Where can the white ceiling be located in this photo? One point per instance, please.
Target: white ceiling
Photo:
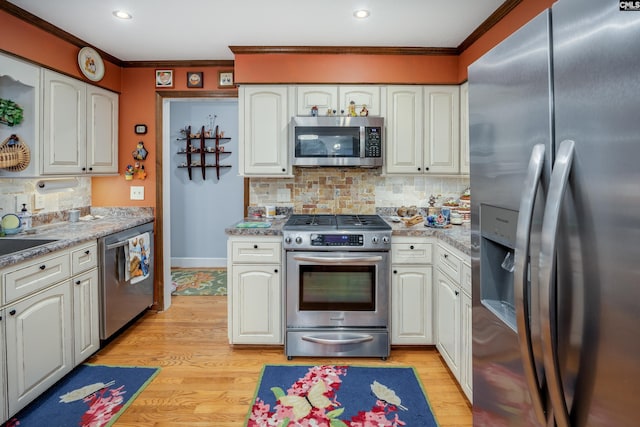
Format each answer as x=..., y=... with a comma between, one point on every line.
x=204, y=29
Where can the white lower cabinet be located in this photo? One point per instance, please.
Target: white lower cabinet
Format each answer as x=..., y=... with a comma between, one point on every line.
x=255, y=300
x=453, y=313
x=411, y=291
x=86, y=315
x=50, y=321
x=39, y=344
x=448, y=321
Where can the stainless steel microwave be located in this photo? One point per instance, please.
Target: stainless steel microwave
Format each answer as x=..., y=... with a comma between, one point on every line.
x=337, y=141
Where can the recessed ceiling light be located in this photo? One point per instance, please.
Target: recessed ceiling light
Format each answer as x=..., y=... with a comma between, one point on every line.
x=121, y=14
x=361, y=13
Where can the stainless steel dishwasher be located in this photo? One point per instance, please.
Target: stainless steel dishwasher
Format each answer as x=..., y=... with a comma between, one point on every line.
x=123, y=297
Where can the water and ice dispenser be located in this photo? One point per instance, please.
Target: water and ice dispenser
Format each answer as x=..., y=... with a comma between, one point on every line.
x=497, y=246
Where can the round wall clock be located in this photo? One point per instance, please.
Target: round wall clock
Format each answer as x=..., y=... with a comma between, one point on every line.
x=91, y=64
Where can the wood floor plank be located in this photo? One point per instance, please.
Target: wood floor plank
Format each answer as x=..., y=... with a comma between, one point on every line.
x=206, y=382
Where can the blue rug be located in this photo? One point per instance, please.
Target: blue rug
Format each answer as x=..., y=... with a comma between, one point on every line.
x=91, y=395
x=339, y=396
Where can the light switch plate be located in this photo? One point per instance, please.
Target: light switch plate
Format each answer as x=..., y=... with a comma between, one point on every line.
x=137, y=193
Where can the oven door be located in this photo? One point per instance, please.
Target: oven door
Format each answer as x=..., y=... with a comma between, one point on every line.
x=337, y=289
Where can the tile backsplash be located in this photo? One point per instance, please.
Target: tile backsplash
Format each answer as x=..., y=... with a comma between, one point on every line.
x=62, y=199
x=350, y=190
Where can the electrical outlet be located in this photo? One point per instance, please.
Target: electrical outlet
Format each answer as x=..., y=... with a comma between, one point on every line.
x=41, y=202
x=137, y=193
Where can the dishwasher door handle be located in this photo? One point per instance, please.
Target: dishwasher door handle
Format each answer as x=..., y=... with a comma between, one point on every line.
x=117, y=245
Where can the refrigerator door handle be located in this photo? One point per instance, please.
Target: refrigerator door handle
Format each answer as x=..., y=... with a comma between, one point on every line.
x=548, y=293
x=521, y=291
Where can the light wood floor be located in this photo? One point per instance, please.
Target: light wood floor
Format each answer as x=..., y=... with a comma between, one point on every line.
x=206, y=382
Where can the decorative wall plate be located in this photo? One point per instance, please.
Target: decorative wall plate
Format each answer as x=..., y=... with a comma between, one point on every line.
x=91, y=64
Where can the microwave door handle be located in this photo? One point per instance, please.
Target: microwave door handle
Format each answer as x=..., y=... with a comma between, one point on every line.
x=548, y=286
x=521, y=291
x=337, y=260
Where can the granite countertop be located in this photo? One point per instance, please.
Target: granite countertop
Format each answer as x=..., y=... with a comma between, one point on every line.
x=458, y=236
x=67, y=234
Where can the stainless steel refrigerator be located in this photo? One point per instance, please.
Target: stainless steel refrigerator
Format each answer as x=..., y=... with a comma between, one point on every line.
x=555, y=184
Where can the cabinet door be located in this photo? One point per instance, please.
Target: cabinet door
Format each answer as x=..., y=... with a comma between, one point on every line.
x=464, y=129
x=412, y=308
x=448, y=321
x=256, y=305
x=102, y=131
x=361, y=96
x=442, y=129
x=264, y=131
x=86, y=320
x=64, y=125
x=324, y=97
x=404, y=130
x=39, y=344
x=466, y=363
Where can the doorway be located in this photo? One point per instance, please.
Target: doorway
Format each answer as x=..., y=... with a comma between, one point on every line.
x=167, y=148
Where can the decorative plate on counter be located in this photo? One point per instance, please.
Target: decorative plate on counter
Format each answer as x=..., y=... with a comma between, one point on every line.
x=91, y=64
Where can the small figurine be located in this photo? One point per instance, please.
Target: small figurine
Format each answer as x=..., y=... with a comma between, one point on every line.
x=140, y=153
x=141, y=173
x=314, y=111
x=352, y=109
x=432, y=200
x=128, y=173
x=364, y=112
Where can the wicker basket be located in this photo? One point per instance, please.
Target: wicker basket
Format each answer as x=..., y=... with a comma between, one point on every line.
x=14, y=157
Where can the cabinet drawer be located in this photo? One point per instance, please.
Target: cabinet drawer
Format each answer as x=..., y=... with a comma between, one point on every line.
x=84, y=258
x=256, y=252
x=35, y=275
x=466, y=279
x=411, y=252
x=449, y=263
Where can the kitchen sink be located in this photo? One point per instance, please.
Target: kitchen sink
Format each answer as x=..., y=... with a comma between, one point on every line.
x=12, y=245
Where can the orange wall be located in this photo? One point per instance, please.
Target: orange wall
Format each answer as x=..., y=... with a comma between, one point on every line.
x=339, y=68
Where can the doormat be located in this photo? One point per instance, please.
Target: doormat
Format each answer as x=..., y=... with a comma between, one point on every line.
x=339, y=396
x=199, y=281
x=90, y=395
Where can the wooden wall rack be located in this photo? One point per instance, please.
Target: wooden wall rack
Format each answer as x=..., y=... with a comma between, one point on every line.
x=197, y=146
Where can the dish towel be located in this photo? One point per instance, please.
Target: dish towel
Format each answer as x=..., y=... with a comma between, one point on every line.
x=138, y=258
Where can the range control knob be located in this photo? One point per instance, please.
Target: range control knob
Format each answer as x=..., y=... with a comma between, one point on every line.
x=298, y=239
x=288, y=240
x=375, y=240
x=385, y=240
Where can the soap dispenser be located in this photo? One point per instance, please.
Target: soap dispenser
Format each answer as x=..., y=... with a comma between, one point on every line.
x=25, y=218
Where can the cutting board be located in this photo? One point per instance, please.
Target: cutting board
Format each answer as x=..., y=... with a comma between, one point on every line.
x=253, y=224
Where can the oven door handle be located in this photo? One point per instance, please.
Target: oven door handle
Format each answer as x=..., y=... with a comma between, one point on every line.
x=337, y=260
x=357, y=339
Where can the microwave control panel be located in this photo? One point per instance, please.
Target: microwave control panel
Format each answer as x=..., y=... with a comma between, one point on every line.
x=372, y=142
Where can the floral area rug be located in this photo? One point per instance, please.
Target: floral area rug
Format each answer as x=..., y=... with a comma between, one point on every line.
x=339, y=396
x=89, y=396
x=199, y=281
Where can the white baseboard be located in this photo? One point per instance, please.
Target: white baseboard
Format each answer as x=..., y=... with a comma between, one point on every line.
x=199, y=262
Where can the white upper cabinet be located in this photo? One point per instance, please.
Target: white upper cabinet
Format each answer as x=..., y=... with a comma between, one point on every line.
x=264, y=122
x=423, y=135
x=338, y=99
x=442, y=129
x=404, y=130
x=80, y=127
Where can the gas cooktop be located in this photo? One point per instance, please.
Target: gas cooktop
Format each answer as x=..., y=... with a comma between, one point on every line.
x=336, y=232
x=326, y=222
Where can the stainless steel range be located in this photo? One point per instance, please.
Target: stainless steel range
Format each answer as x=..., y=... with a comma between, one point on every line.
x=338, y=285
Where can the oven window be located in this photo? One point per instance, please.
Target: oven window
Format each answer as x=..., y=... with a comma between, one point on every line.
x=327, y=141
x=337, y=288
